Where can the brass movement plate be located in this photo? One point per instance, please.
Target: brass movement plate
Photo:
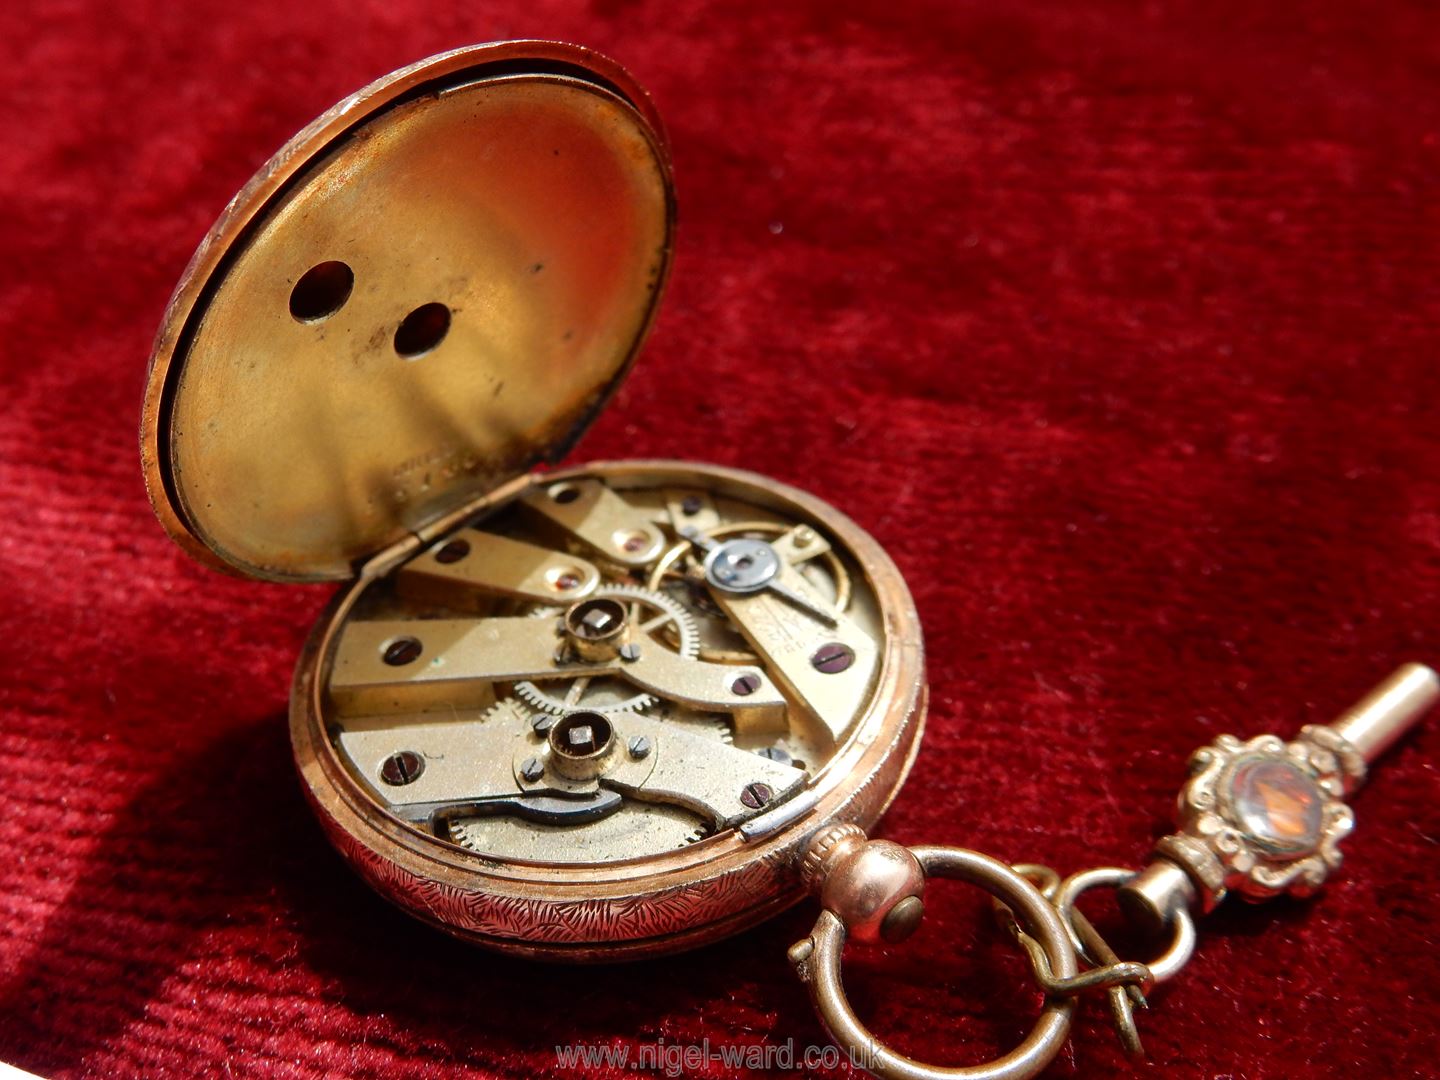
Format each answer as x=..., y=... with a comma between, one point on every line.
x=625, y=766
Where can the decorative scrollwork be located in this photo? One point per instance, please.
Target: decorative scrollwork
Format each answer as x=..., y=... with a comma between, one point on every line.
x=1264, y=817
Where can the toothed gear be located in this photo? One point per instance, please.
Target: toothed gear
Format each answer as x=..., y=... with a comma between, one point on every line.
x=671, y=613
x=506, y=708
x=459, y=829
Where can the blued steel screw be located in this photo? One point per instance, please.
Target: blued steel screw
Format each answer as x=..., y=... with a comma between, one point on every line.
x=453, y=552
x=756, y=795
x=639, y=747
x=629, y=651
x=402, y=768
x=532, y=770
x=542, y=724
x=690, y=505
x=774, y=753
x=405, y=651
x=745, y=685
x=833, y=658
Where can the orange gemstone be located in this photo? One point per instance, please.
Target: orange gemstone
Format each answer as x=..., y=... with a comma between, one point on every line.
x=1278, y=804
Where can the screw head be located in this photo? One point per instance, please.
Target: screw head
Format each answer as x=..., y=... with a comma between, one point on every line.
x=804, y=536
x=635, y=542
x=691, y=505
x=630, y=651
x=904, y=917
x=402, y=651
x=774, y=753
x=756, y=795
x=742, y=565
x=833, y=658
x=640, y=747
x=532, y=770
x=542, y=724
x=745, y=685
x=402, y=768
x=453, y=552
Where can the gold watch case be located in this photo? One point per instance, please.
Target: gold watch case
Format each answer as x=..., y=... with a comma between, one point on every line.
x=583, y=714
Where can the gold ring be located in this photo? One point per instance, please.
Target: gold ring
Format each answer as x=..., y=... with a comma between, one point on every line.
x=1182, y=944
x=819, y=967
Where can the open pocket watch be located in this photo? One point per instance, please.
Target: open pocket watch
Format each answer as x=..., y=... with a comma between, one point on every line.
x=599, y=713
x=583, y=714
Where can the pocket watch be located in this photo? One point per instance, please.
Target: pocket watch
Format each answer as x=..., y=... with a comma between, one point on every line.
x=583, y=714
x=625, y=708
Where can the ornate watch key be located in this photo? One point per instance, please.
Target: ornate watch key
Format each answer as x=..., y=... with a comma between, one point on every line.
x=603, y=713
x=1261, y=818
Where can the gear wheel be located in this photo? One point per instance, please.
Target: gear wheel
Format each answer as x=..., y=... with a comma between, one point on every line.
x=507, y=711
x=607, y=693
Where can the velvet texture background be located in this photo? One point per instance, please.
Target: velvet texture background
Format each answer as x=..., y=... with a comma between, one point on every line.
x=1114, y=323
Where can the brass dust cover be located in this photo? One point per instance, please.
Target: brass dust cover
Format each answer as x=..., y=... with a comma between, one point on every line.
x=432, y=288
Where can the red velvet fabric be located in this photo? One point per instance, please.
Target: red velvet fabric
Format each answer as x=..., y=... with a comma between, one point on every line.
x=1114, y=323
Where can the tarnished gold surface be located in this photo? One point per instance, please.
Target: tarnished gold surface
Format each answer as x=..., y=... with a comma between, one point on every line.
x=530, y=200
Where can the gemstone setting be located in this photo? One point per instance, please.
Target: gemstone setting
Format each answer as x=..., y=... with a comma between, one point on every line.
x=1277, y=804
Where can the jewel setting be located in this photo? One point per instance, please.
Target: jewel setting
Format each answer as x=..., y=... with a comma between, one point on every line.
x=1277, y=804
x=1264, y=817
